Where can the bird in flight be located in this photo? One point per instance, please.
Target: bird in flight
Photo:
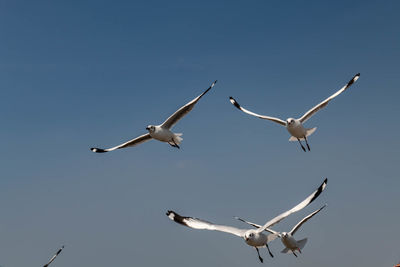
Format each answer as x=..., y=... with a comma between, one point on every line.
x=295, y=126
x=163, y=131
x=256, y=238
x=54, y=257
x=291, y=244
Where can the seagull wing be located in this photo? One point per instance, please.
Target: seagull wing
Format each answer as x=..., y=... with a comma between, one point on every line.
x=257, y=226
x=236, y=104
x=196, y=223
x=299, y=224
x=298, y=207
x=133, y=142
x=180, y=113
x=323, y=104
x=54, y=257
x=250, y=223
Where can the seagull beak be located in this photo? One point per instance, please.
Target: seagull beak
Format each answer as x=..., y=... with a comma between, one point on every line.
x=147, y=128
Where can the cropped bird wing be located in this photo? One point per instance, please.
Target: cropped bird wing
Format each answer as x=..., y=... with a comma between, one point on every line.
x=196, y=223
x=324, y=103
x=249, y=223
x=236, y=104
x=257, y=226
x=180, y=113
x=298, y=207
x=133, y=142
x=299, y=224
x=54, y=257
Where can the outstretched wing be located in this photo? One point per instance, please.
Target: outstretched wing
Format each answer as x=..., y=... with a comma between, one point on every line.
x=54, y=257
x=196, y=223
x=323, y=104
x=299, y=224
x=298, y=207
x=180, y=113
x=133, y=142
x=236, y=104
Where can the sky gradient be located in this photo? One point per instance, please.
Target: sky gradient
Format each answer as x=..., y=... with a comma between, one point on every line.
x=78, y=74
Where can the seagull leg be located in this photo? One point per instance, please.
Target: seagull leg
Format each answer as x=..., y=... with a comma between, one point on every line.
x=294, y=253
x=305, y=138
x=258, y=252
x=301, y=145
x=171, y=144
x=269, y=251
x=174, y=145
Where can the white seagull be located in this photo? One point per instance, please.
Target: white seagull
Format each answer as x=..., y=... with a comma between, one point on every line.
x=295, y=126
x=291, y=244
x=253, y=237
x=163, y=131
x=54, y=257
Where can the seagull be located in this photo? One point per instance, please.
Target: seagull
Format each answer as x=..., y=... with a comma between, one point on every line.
x=291, y=244
x=163, y=131
x=295, y=126
x=253, y=237
x=54, y=257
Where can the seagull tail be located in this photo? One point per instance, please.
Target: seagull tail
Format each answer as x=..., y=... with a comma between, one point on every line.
x=302, y=243
x=309, y=132
x=285, y=250
x=177, y=138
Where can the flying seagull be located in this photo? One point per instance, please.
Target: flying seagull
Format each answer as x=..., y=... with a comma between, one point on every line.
x=253, y=237
x=163, y=131
x=295, y=126
x=54, y=257
x=291, y=244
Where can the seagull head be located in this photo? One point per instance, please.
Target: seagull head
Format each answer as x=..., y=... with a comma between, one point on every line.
x=249, y=235
x=151, y=128
x=284, y=234
x=290, y=121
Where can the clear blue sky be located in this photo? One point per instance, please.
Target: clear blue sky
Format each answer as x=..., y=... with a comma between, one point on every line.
x=76, y=74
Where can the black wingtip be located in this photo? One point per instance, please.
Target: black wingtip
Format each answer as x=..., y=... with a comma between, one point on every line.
x=234, y=102
x=354, y=79
x=176, y=217
x=172, y=214
x=98, y=150
x=320, y=189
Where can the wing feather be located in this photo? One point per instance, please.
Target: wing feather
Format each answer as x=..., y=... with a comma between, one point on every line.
x=324, y=103
x=196, y=223
x=299, y=224
x=180, y=113
x=133, y=142
x=54, y=257
x=236, y=104
x=298, y=207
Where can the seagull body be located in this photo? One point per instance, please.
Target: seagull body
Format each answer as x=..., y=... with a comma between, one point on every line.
x=163, y=131
x=256, y=238
x=295, y=126
x=290, y=243
x=164, y=134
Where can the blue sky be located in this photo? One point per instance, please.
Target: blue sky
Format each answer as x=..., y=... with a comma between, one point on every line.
x=77, y=74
